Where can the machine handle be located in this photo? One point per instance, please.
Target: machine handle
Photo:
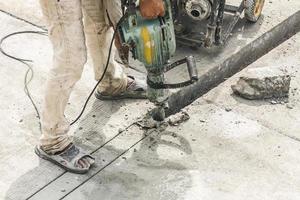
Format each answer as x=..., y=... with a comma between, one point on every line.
x=192, y=68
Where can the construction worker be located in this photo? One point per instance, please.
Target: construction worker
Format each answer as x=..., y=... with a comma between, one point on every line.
x=75, y=26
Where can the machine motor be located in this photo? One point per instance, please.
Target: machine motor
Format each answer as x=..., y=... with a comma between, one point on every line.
x=197, y=9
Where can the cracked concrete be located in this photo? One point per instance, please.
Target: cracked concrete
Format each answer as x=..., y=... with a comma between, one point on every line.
x=229, y=149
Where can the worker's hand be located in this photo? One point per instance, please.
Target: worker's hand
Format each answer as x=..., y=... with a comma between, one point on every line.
x=151, y=9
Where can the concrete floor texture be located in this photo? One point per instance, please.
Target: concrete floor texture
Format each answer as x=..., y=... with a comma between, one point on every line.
x=229, y=149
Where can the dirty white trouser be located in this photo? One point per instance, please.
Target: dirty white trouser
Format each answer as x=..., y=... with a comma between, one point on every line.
x=71, y=36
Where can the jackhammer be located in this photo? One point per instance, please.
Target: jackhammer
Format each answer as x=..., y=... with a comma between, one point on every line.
x=153, y=43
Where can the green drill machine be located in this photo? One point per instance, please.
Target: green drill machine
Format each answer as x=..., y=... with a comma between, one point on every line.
x=153, y=43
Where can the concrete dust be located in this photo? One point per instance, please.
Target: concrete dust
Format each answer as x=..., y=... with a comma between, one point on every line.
x=178, y=118
x=174, y=120
x=148, y=123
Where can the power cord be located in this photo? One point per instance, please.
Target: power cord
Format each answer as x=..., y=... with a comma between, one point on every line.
x=105, y=69
x=29, y=67
x=99, y=81
x=30, y=71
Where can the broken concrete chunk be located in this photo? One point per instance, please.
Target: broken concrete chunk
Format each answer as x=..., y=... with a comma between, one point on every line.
x=263, y=83
x=178, y=118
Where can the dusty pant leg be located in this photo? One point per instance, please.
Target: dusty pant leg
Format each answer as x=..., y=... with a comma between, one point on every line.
x=99, y=34
x=69, y=56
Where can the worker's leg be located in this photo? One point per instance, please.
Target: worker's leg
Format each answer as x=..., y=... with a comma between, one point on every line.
x=99, y=35
x=69, y=56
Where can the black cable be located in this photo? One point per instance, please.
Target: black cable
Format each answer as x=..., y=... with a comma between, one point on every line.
x=104, y=72
x=105, y=166
x=100, y=80
x=29, y=68
x=23, y=20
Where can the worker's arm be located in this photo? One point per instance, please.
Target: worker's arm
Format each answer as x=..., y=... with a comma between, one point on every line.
x=151, y=9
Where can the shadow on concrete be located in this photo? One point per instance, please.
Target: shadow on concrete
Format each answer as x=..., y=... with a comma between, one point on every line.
x=206, y=58
x=147, y=155
x=144, y=174
x=88, y=135
x=243, y=31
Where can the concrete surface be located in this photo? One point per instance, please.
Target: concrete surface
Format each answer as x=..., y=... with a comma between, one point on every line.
x=26, y=9
x=220, y=153
x=248, y=153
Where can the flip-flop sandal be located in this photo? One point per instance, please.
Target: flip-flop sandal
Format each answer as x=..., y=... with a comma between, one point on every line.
x=68, y=159
x=136, y=90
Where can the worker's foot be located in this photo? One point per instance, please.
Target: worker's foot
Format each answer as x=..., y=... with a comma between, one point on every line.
x=72, y=159
x=136, y=89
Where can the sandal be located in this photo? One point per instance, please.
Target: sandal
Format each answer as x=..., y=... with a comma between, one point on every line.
x=136, y=90
x=68, y=159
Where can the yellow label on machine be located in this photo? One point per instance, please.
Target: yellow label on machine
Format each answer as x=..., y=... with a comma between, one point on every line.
x=148, y=50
